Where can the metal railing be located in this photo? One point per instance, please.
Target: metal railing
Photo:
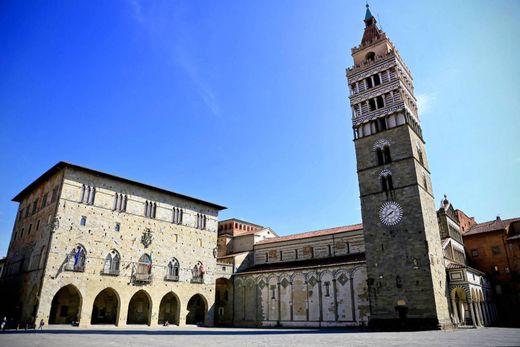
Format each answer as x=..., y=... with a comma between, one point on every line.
x=111, y=272
x=142, y=278
x=173, y=278
x=75, y=268
x=197, y=279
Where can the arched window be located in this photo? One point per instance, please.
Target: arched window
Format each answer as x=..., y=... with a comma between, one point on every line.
x=386, y=180
x=76, y=259
x=112, y=261
x=384, y=185
x=421, y=159
x=173, y=270
x=425, y=183
x=386, y=154
x=370, y=56
x=143, y=273
x=380, y=158
x=198, y=272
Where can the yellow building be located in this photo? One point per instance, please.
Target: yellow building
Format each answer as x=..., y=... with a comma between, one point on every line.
x=90, y=247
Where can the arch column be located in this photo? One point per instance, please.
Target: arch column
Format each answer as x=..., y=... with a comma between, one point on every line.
x=472, y=312
x=462, y=313
x=154, y=316
x=482, y=313
x=455, y=309
x=123, y=311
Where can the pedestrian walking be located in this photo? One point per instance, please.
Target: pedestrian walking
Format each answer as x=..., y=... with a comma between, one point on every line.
x=42, y=323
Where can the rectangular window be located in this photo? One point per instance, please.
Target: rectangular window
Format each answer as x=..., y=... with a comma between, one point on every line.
x=30, y=228
x=27, y=212
x=35, y=206
x=266, y=257
x=474, y=252
x=54, y=194
x=118, y=227
x=377, y=80
x=295, y=254
x=369, y=83
x=330, y=250
x=83, y=221
x=495, y=250
x=44, y=199
x=372, y=104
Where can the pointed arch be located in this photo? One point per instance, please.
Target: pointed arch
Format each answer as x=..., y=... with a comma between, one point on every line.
x=169, y=309
x=66, y=305
x=197, y=308
x=112, y=261
x=106, y=307
x=173, y=270
x=76, y=259
x=140, y=308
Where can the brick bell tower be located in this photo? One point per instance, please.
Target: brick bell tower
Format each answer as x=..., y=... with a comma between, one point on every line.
x=406, y=274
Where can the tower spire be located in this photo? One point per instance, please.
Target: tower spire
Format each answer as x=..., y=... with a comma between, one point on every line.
x=368, y=14
x=372, y=32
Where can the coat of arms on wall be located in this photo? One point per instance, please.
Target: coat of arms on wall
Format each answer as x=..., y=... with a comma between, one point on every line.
x=147, y=238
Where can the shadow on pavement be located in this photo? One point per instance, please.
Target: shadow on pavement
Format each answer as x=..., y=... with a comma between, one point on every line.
x=182, y=332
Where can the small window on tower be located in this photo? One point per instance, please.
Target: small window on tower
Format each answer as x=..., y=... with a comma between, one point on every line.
x=377, y=80
x=382, y=123
x=370, y=56
x=380, y=102
x=371, y=104
x=369, y=83
x=386, y=153
x=380, y=158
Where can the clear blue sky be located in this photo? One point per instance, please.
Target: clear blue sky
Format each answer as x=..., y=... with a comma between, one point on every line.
x=244, y=103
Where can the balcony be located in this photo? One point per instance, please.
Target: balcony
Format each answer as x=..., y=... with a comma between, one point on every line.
x=74, y=268
x=171, y=278
x=111, y=272
x=142, y=278
x=198, y=279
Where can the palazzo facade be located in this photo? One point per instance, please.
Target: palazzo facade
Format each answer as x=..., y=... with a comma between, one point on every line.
x=94, y=248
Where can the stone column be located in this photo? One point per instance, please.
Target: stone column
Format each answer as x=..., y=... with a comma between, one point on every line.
x=473, y=320
x=462, y=313
x=154, y=315
x=455, y=313
x=483, y=313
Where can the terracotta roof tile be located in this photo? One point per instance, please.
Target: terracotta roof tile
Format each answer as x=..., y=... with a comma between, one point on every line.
x=493, y=225
x=329, y=261
x=315, y=233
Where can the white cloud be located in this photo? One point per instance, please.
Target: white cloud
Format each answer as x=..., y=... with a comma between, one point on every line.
x=425, y=102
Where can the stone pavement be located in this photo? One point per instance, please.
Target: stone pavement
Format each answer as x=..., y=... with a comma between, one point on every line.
x=194, y=336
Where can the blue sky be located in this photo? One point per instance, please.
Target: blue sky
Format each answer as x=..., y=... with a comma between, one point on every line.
x=244, y=103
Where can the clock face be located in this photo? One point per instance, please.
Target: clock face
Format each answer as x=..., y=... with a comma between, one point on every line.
x=390, y=213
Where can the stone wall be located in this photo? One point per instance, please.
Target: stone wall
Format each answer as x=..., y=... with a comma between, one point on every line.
x=99, y=237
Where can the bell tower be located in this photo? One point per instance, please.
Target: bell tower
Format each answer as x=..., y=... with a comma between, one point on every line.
x=406, y=274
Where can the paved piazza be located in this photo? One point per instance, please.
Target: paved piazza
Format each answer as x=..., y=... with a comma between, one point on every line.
x=187, y=337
